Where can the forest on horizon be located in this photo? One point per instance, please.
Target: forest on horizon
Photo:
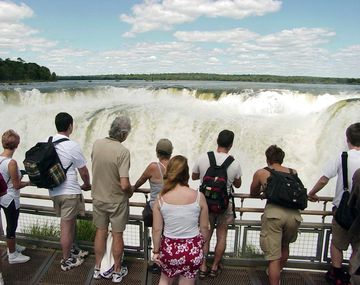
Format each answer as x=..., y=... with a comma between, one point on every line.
x=21, y=71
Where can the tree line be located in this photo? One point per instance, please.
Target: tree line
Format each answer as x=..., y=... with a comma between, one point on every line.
x=218, y=77
x=19, y=70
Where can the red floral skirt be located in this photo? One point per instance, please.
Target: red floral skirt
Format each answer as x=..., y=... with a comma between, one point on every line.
x=181, y=256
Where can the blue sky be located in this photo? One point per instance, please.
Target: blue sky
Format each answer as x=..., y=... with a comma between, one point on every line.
x=83, y=37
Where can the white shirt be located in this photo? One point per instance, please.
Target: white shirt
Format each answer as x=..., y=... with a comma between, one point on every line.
x=334, y=168
x=68, y=152
x=203, y=163
x=12, y=193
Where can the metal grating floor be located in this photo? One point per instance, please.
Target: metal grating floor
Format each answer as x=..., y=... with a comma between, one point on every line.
x=252, y=276
x=44, y=269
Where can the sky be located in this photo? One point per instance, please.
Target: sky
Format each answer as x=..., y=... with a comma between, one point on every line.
x=90, y=37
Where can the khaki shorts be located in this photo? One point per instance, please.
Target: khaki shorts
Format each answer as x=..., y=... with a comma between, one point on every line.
x=341, y=238
x=279, y=228
x=226, y=218
x=115, y=213
x=69, y=206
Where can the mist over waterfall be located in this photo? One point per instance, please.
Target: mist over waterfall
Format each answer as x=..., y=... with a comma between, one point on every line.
x=307, y=121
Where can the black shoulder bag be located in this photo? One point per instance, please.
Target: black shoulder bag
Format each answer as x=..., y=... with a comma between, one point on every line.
x=345, y=215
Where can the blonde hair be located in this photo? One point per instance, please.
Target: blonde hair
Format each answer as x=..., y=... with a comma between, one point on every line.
x=10, y=140
x=177, y=172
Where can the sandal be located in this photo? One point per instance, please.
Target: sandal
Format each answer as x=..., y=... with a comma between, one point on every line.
x=203, y=274
x=215, y=273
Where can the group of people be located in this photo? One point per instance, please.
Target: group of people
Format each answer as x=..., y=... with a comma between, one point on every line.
x=182, y=222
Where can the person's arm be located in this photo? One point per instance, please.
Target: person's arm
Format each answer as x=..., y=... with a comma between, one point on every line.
x=157, y=229
x=237, y=182
x=204, y=218
x=125, y=186
x=85, y=177
x=255, y=187
x=14, y=176
x=317, y=187
x=144, y=177
x=195, y=176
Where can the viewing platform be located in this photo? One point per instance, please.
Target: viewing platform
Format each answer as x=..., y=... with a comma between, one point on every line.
x=243, y=261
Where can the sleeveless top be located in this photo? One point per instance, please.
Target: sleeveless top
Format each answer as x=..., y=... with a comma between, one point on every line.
x=181, y=221
x=12, y=193
x=155, y=188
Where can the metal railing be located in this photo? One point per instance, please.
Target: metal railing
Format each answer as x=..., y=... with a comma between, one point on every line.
x=310, y=251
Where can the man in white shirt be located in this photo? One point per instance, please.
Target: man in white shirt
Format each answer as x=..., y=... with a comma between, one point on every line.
x=220, y=221
x=67, y=197
x=340, y=237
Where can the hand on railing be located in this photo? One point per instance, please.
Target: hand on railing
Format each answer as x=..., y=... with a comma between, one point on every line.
x=313, y=198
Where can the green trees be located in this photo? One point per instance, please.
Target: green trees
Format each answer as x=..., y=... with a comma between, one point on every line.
x=20, y=70
x=217, y=77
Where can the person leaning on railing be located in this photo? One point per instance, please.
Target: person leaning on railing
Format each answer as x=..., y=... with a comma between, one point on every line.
x=279, y=225
x=340, y=237
x=10, y=202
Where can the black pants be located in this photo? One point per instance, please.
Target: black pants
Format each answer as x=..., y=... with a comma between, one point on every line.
x=12, y=217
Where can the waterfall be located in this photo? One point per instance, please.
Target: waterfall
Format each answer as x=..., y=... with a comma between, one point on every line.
x=309, y=124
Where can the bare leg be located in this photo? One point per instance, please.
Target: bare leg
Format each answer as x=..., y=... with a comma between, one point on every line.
x=164, y=280
x=11, y=245
x=99, y=245
x=284, y=256
x=274, y=271
x=336, y=256
x=186, y=281
x=221, y=233
x=67, y=233
x=117, y=250
x=206, y=247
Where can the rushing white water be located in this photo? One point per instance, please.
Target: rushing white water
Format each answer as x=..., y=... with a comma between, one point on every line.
x=308, y=123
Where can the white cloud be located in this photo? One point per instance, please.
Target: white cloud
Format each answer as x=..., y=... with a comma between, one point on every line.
x=297, y=37
x=14, y=35
x=228, y=36
x=10, y=12
x=165, y=14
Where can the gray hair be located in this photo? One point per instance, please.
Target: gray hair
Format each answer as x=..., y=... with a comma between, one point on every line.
x=120, y=128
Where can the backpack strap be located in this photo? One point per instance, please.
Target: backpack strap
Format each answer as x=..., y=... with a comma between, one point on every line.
x=344, y=157
x=212, y=159
x=272, y=171
x=50, y=140
x=227, y=162
x=60, y=140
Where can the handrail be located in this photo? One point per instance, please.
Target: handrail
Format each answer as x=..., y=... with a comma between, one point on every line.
x=238, y=196
x=243, y=231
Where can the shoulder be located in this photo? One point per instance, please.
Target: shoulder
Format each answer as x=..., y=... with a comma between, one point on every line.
x=262, y=174
x=152, y=166
x=356, y=176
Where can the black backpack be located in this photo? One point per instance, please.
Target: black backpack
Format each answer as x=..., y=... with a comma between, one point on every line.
x=43, y=165
x=286, y=190
x=214, y=185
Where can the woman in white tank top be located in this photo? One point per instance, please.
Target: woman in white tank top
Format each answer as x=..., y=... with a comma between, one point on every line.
x=180, y=225
x=154, y=172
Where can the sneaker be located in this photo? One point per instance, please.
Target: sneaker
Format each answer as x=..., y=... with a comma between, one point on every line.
x=117, y=277
x=71, y=263
x=108, y=273
x=78, y=253
x=17, y=257
x=96, y=274
x=124, y=270
x=19, y=248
